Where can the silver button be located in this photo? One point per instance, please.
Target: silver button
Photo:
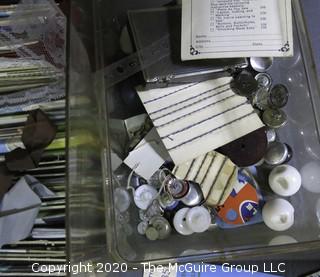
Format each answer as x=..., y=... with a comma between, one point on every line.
x=274, y=118
x=277, y=153
x=244, y=84
x=194, y=196
x=271, y=135
x=264, y=80
x=279, y=96
x=261, y=64
x=260, y=98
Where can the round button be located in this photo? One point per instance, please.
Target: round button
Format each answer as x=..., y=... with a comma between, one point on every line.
x=277, y=153
x=278, y=214
x=180, y=224
x=198, y=219
x=271, y=135
x=260, y=98
x=247, y=150
x=244, y=84
x=144, y=195
x=162, y=226
x=177, y=188
x=274, y=118
x=285, y=180
x=194, y=196
x=261, y=64
x=279, y=96
x=232, y=215
x=152, y=233
x=167, y=201
x=264, y=80
x=142, y=227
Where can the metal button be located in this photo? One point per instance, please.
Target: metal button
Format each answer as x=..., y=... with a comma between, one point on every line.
x=279, y=96
x=278, y=153
x=264, y=80
x=274, y=118
x=271, y=135
x=152, y=233
x=260, y=98
x=261, y=64
x=244, y=84
x=162, y=225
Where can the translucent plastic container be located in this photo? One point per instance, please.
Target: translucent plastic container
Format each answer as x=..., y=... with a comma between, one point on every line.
x=96, y=99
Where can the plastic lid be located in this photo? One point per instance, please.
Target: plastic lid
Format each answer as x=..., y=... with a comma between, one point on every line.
x=198, y=219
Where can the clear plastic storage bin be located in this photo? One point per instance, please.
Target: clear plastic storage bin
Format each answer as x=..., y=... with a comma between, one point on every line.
x=99, y=93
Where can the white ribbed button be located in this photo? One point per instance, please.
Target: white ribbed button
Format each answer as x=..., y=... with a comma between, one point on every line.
x=285, y=180
x=143, y=196
x=198, y=219
x=278, y=214
x=180, y=224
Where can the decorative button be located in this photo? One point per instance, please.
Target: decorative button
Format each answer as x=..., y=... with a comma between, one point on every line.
x=177, y=188
x=278, y=214
x=198, y=219
x=264, y=80
x=274, y=118
x=244, y=84
x=285, y=180
x=278, y=153
x=271, y=135
x=152, y=233
x=261, y=64
x=278, y=97
x=144, y=195
x=162, y=226
x=180, y=224
x=247, y=150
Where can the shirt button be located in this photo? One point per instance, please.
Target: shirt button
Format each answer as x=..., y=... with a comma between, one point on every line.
x=162, y=226
x=152, y=233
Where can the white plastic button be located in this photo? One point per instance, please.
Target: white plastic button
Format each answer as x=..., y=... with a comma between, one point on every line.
x=180, y=224
x=142, y=227
x=144, y=195
x=278, y=214
x=285, y=180
x=198, y=219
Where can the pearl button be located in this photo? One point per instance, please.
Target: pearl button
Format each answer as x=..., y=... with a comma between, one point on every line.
x=285, y=180
x=278, y=214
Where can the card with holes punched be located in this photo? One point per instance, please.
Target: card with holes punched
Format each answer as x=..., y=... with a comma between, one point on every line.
x=199, y=117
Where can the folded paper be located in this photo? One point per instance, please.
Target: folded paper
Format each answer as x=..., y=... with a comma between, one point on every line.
x=197, y=118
